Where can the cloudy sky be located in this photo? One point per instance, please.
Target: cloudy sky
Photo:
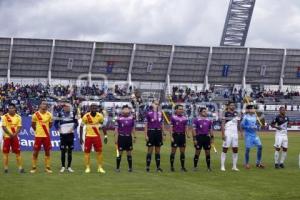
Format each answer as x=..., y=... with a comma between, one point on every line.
x=275, y=23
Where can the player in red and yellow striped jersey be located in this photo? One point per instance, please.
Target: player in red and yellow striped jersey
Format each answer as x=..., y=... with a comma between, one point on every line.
x=93, y=121
x=41, y=124
x=11, y=125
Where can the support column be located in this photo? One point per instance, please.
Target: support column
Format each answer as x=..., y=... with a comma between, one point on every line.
x=168, y=79
x=131, y=65
x=9, y=59
x=205, y=86
x=245, y=70
x=91, y=65
x=51, y=62
x=282, y=71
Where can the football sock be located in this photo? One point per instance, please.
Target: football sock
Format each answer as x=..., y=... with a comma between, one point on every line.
x=283, y=156
x=157, y=160
x=259, y=154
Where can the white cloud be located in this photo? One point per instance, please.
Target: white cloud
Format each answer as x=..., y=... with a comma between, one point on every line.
x=189, y=22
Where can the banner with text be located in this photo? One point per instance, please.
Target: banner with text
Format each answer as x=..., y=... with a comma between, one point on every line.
x=27, y=137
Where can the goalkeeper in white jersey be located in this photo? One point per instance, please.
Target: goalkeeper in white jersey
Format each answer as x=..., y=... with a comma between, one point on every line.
x=280, y=123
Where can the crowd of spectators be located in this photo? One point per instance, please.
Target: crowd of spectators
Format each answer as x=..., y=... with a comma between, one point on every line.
x=27, y=97
x=187, y=95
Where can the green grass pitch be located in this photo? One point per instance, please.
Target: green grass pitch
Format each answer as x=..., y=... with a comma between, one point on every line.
x=257, y=184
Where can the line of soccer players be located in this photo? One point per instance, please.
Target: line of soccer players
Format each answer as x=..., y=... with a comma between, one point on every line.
x=154, y=132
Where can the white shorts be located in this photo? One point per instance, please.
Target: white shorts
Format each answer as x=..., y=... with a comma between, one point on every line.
x=281, y=140
x=231, y=140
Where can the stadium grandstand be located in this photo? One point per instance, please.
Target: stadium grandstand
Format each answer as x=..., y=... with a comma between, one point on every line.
x=32, y=69
x=174, y=112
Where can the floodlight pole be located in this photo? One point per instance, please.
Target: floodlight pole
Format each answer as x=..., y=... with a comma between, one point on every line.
x=51, y=62
x=9, y=59
x=91, y=65
x=205, y=85
x=130, y=66
x=167, y=83
x=282, y=70
x=245, y=70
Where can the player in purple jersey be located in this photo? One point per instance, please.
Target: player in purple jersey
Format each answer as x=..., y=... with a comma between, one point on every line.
x=154, y=134
x=178, y=136
x=125, y=136
x=202, y=137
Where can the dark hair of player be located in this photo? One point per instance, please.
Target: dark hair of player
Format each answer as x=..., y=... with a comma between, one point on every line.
x=178, y=106
x=281, y=107
x=43, y=100
x=201, y=109
x=249, y=106
x=11, y=105
x=230, y=102
x=125, y=106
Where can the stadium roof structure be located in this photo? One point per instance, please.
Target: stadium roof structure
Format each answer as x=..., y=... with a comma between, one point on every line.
x=65, y=59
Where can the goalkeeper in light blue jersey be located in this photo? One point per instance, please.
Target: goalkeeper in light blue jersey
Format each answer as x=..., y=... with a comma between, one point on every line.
x=249, y=124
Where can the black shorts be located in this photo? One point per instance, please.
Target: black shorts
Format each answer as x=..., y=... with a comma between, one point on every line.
x=155, y=138
x=203, y=141
x=125, y=143
x=179, y=140
x=67, y=141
